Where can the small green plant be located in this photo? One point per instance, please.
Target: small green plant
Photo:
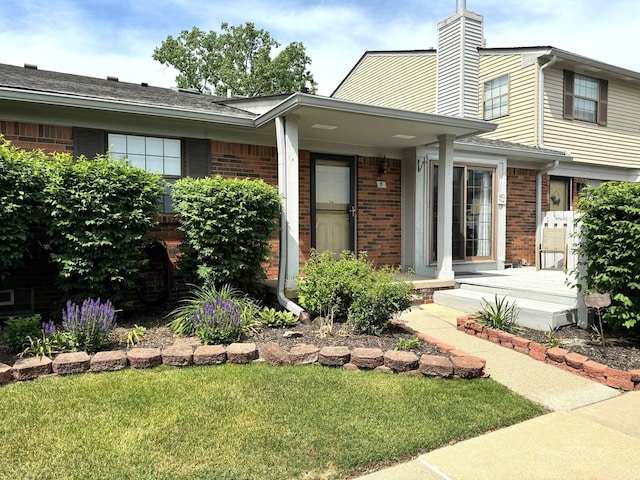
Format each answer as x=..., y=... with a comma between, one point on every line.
x=323, y=326
x=135, y=335
x=17, y=329
x=551, y=338
x=38, y=346
x=500, y=315
x=277, y=318
x=407, y=344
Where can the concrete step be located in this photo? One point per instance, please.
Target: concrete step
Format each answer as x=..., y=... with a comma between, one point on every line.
x=558, y=296
x=532, y=313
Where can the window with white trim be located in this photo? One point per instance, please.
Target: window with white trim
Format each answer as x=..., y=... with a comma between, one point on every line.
x=154, y=154
x=496, y=97
x=585, y=98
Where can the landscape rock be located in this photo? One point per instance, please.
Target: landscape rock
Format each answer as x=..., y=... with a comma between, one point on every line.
x=401, y=361
x=351, y=367
x=334, y=356
x=178, y=355
x=304, y=354
x=435, y=366
x=209, y=355
x=274, y=354
x=383, y=369
x=369, y=358
x=31, y=367
x=242, y=352
x=109, y=361
x=467, y=367
x=5, y=374
x=144, y=357
x=292, y=334
x=69, y=363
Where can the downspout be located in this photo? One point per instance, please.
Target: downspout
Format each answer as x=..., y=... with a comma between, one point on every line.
x=541, y=144
x=281, y=128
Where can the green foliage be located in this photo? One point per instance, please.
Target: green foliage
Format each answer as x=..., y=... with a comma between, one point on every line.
x=38, y=346
x=237, y=58
x=16, y=330
x=500, y=315
x=23, y=177
x=135, y=335
x=101, y=211
x=551, y=339
x=407, y=343
x=277, y=318
x=209, y=312
x=610, y=246
x=352, y=289
x=226, y=226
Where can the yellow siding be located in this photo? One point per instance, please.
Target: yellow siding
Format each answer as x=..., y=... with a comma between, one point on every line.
x=398, y=80
x=617, y=144
x=520, y=124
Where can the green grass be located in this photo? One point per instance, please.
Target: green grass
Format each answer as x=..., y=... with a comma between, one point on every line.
x=238, y=422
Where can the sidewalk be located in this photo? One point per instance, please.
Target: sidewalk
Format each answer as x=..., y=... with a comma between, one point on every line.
x=593, y=431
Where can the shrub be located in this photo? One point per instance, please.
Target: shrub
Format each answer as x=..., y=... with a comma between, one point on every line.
x=16, y=330
x=89, y=325
x=226, y=225
x=500, y=315
x=277, y=318
x=101, y=211
x=350, y=288
x=23, y=177
x=212, y=313
x=609, y=224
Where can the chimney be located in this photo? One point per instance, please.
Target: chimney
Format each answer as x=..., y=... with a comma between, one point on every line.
x=459, y=37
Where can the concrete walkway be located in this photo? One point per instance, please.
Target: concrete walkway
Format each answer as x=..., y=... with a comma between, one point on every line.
x=593, y=431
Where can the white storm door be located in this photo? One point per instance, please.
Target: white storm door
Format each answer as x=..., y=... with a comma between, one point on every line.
x=334, y=214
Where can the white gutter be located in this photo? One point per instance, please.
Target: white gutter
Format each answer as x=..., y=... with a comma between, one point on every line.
x=281, y=142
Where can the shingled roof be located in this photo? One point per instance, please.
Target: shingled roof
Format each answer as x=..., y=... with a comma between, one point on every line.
x=35, y=80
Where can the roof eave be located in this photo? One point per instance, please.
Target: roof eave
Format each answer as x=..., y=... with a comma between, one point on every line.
x=513, y=153
x=65, y=100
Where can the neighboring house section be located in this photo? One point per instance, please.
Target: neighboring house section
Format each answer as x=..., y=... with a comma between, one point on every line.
x=585, y=111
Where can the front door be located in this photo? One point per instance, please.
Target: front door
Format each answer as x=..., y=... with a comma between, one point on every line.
x=333, y=199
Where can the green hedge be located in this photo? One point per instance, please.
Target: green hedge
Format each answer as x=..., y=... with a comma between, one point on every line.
x=610, y=245
x=23, y=177
x=226, y=225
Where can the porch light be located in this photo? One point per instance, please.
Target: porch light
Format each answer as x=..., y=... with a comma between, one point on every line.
x=383, y=164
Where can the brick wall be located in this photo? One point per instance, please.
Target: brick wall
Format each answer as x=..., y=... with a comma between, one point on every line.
x=379, y=212
x=31, y=136
x=521, y=215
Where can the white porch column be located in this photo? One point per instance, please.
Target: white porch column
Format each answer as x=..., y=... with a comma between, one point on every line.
x=288, y=168
x=444, y=269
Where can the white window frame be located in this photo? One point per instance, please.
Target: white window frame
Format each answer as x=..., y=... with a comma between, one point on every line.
x=586, y=96
x=496, y=97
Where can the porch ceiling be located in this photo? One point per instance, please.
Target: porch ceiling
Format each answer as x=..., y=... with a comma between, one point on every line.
x=329, y=124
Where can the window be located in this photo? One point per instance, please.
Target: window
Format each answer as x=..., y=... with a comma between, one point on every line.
x=585, y=98
x=473, y=213
x=157, y=155
x=496, y=97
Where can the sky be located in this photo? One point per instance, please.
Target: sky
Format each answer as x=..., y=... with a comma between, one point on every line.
x=101, y=38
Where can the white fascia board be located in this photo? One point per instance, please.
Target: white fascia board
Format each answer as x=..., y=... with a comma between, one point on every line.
x=579, y=59
x=513, y=153
x=307, y=100
x=119, y=106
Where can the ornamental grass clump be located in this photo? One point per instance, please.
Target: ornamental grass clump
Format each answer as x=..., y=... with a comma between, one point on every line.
x=89, y=324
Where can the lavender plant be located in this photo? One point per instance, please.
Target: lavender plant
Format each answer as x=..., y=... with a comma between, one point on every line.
x=218, y=321
x=89, y=324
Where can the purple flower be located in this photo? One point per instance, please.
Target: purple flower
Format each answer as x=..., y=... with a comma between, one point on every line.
x=91, y=323
x=49, y=328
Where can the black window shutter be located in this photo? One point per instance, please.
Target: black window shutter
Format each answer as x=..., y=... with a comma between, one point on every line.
x=603, y=103
x=198, y=157
x=568, y=95
x=88, y=142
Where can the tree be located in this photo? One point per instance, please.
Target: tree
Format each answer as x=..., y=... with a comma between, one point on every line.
x=237, y=58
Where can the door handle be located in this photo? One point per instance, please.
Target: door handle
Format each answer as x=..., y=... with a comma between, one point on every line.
x=352, y=211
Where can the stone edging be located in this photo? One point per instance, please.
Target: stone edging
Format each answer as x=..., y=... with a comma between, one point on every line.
x=559, y=357
x=459, y=364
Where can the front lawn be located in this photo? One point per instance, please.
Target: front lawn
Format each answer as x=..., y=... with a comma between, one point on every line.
x=238, y=422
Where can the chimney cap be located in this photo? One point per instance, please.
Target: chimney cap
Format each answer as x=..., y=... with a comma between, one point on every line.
x=461, y=5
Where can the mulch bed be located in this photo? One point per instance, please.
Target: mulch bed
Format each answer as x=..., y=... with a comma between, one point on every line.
x=619, y=353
